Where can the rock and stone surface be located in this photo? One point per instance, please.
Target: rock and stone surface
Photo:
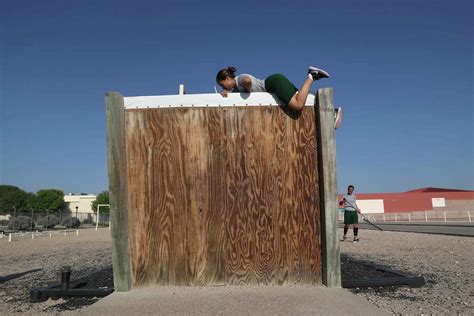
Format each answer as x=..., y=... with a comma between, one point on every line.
x=446, y=263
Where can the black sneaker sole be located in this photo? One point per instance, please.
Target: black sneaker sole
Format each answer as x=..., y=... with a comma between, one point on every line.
x=318, y=73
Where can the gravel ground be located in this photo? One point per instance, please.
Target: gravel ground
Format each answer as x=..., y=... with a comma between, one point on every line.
x=89, y=254
x=444, y=261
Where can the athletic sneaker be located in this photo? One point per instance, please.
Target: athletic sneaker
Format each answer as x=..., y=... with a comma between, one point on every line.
x=317, y=73
x=338, y=117
x=356, y=239
x=344, y=238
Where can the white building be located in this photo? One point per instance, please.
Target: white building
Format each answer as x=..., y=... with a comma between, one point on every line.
x=83, y=203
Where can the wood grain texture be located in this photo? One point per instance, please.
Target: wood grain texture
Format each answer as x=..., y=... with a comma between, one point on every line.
x=223, y=196
x=118, y=191
x=328, y=188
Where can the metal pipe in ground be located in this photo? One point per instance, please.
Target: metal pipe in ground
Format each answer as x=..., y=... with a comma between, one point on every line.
x=65, y=277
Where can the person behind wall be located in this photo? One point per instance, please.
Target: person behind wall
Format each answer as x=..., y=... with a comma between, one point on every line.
x=350, y=213
x=278, y=84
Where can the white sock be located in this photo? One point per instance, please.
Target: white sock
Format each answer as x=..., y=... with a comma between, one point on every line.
x=310, y=76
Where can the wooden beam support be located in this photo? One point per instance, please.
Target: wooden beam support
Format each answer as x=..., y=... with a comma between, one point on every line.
x=118, y=191
x=328, y=188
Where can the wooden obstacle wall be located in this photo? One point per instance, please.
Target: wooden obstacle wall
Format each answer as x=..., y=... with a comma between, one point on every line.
x=219, y=196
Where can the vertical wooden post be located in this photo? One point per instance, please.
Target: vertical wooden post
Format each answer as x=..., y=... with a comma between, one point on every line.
x=328, y=188
x=118, y=191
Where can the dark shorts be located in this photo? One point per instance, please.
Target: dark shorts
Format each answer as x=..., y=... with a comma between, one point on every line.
x=281, y=86
x=350, y=217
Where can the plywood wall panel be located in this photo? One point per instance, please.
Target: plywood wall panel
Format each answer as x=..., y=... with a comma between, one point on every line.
x=223, y=196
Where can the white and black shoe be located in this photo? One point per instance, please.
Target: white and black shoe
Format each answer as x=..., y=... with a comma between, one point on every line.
x=317, y=73
x=338, y=117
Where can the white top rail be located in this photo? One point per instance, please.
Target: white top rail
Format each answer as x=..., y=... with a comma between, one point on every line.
x=207, y=100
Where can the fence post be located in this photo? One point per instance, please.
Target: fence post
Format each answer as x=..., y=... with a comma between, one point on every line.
x=444, y=213
x=469, y=215
x=409, y=217
x=396, y=219
x=10, y=237
x=426, y=217
x=97, y=218
x=32, y=212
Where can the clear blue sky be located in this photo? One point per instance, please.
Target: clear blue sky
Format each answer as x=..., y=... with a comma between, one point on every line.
x=402, y=70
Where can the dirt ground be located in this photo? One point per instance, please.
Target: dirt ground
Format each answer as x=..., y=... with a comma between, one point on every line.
x=444, y=261
x=88, y=254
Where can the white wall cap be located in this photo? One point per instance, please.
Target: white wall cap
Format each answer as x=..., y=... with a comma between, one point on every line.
x=207, y=100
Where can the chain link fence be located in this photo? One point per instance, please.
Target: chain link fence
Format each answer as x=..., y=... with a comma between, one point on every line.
x=38, y=220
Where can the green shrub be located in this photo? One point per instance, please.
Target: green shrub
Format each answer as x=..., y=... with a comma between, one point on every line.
x=88, y=221
x=70, y=222
x=48, y=221
x=20, y=223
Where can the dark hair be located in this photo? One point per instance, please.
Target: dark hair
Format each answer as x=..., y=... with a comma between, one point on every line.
x=350, y=186
x=224, y=73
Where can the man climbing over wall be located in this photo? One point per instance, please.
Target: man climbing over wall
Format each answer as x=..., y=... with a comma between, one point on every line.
x=350, y=213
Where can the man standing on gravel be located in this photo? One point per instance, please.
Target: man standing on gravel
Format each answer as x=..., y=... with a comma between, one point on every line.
x=350, y=213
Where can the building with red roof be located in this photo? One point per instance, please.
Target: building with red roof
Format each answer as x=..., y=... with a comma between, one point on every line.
x=424, y=199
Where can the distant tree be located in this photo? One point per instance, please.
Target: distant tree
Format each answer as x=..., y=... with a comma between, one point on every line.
x=49, y=199
x=102, y=198
x=12, y=197
x=31, y=201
